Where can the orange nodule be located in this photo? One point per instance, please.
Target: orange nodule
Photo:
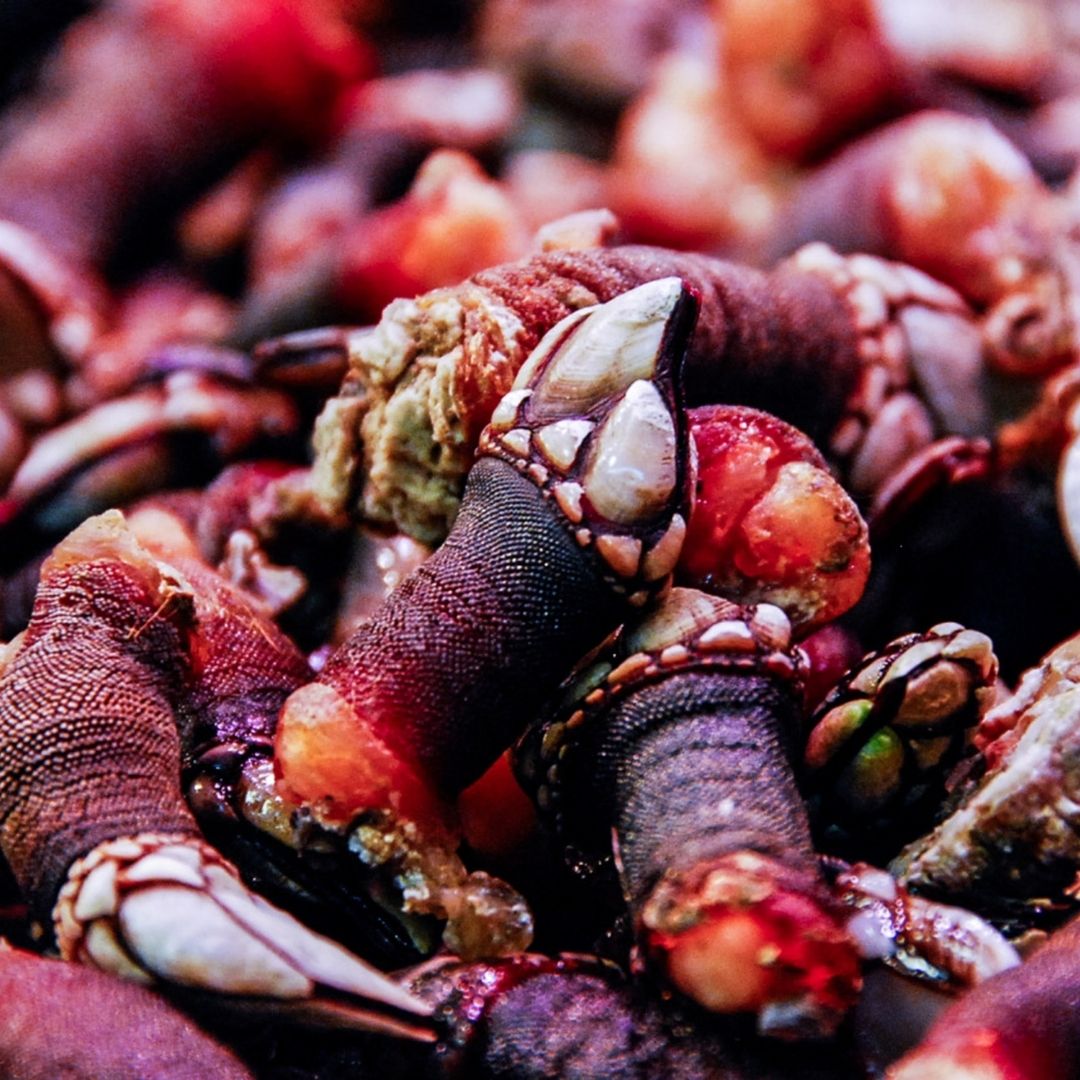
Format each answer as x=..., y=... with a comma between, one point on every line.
x=716, y=963
x=803, y=73
x=496, y=815
x=740, y=958
x=769, y=522
x=328, y=757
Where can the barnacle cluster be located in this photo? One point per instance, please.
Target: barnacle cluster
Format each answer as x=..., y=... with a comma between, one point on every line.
x=452, y=461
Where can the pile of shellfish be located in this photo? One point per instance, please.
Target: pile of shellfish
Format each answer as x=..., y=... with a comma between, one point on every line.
x=539, y=540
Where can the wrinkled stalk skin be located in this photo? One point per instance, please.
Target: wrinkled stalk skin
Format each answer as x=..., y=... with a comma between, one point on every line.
x=606, y=1031
x=783, y=341
x=242, y=668
x=521, y=1040
x=85, y=721
x=670, y=756
x=1023, y=1024
x=59, y=1019
x=689, y=769
x=464, y=652
x=533, y=1018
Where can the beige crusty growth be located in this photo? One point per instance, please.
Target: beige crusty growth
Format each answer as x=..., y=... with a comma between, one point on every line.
x=834, y=346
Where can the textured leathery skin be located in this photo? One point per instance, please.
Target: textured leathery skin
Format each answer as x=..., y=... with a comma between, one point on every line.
x=66, y=1020
x=576, y=1019
x=583, y=1027
x=690, y=768
x=782, y=341
x=88, y=745
x=242, y=668
x=464, y=652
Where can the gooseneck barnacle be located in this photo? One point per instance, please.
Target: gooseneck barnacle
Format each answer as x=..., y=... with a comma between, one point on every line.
x=882, y=744
x=618, y=475
x=255, y=698
x=73, y=180
x=952, y=195
x=914, y=934
x=240, y=670
x=1010, y=842
x=126, y=447
x=669, y=757
x=86, y=720
x=557, y=537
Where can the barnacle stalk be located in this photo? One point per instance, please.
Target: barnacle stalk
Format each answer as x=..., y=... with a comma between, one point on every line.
x=574, y=512
x=534, y=1017
x=61, y=1019
x=92, y=819
x=668, y=758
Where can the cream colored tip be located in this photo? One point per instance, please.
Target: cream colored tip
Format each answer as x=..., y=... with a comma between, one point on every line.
x=108, y=538
x=930, y=1065
x=718, y=964
x=104, y=536
x=163, y=533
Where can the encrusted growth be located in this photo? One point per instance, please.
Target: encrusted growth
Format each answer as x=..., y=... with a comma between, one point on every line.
x=1012, y=841
x=882, y=744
